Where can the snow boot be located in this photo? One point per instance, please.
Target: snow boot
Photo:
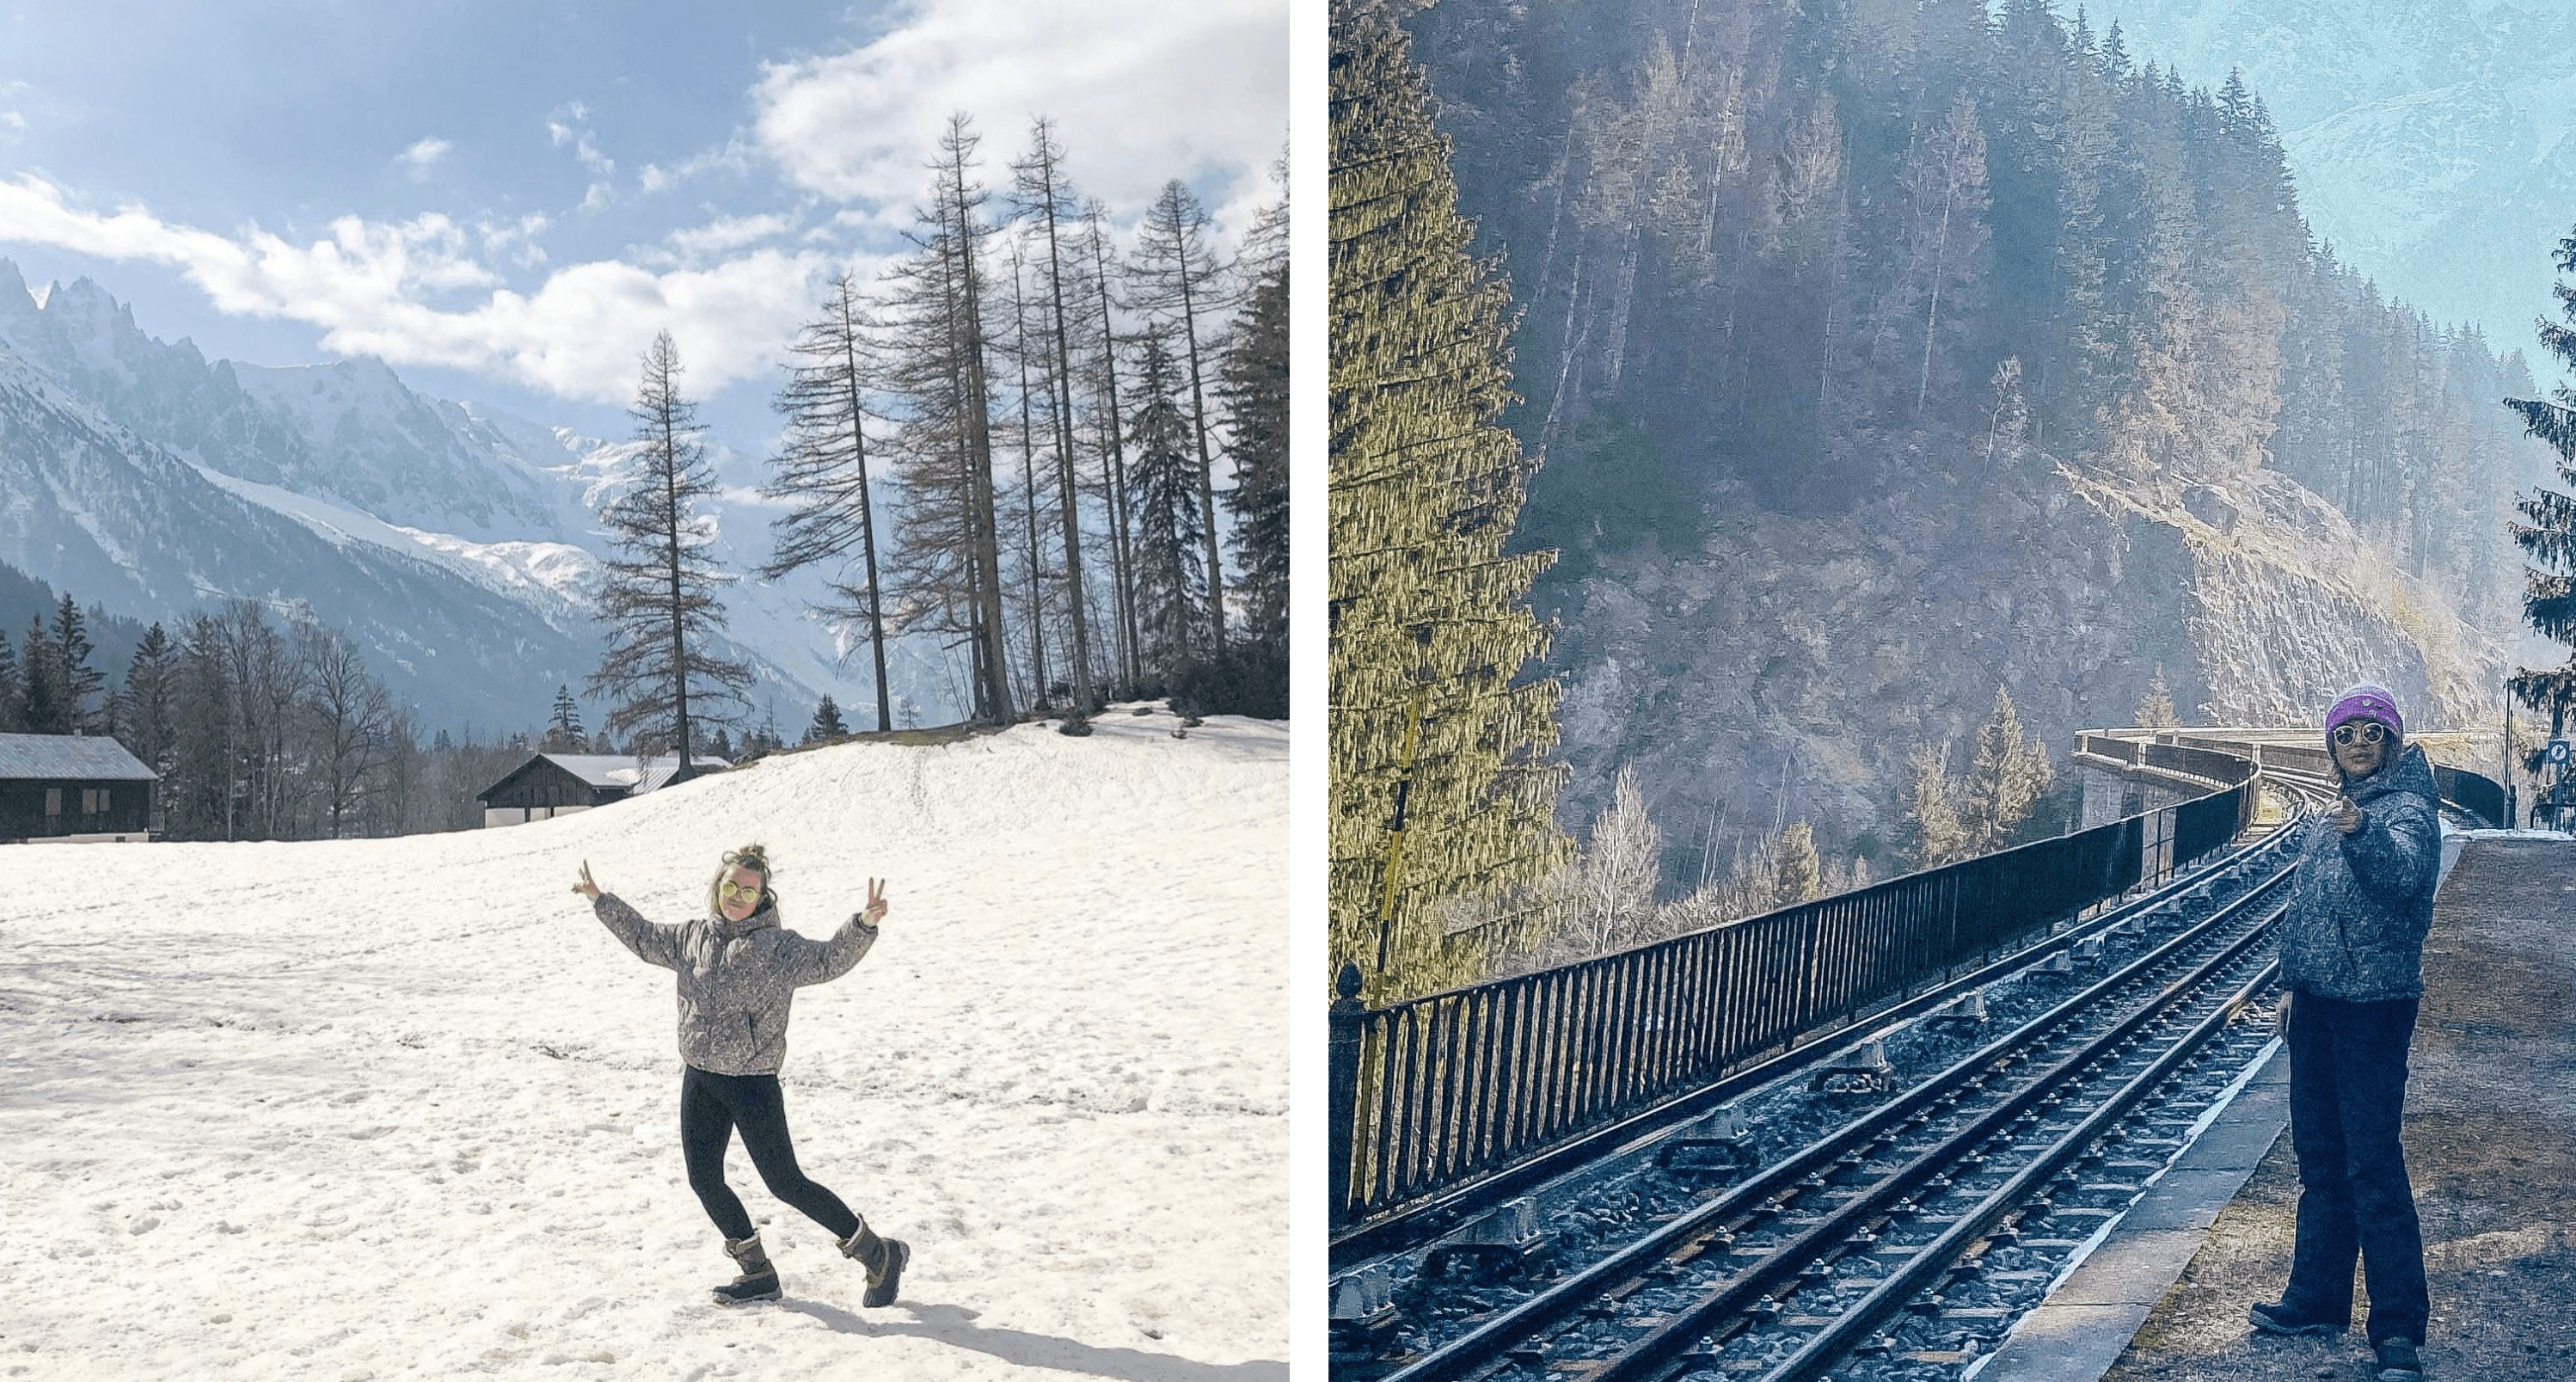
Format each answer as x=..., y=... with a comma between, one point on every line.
x=2281, y=1319
x=2398, y=1361
x=759, y=1280
x=883, y=1257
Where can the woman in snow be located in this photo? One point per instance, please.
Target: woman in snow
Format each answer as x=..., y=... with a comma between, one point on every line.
x=2352, y=947
x=738, y=970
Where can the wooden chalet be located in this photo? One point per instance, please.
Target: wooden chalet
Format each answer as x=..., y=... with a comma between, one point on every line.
x=76, y=787
x=558, y=784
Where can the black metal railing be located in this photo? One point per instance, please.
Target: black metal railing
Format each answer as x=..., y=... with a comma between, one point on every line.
x=1439, y=1092
x=2475, y=793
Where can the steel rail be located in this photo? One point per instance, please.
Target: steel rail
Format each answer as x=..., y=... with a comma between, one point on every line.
x=1676, y=1334
x=1515, y=1323
x=1848, y=1331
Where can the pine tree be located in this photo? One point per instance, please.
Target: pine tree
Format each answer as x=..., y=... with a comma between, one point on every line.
x=823, y=465
x=2548, y=533
x=1940, y=836
x=1429, y=628
x=564, y=733
x=1176, y=281
x=1798, y=874
x=12, y=686
x=1255, y=392
x=196, y=792
x=2006, y=779
x=2156, y=708
x=41, y=694
x=79, y=683
x=827, y=724
x=659, y=597
x=1161, y=495
x=149, y=689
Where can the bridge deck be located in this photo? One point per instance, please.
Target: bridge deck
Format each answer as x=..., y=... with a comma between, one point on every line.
x=2491, y=1146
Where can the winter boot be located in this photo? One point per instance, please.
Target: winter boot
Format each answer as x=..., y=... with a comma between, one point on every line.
x=883, y=1257
x=2282, y=1319
x=759, y=1280
x=2398, y=1361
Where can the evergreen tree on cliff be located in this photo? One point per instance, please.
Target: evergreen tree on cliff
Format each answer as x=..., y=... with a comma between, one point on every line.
x=1428, y=621
x=2549, y=538
x=659, y=598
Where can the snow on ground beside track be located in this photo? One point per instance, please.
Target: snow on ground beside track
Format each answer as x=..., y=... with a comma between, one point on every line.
x=402, y=1108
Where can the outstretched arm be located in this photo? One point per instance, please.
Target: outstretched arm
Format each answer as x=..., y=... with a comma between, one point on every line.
x=819, y=962
x=652, y=944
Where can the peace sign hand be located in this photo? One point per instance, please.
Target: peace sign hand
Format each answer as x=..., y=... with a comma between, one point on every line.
x=585, y=887
x=876, y=907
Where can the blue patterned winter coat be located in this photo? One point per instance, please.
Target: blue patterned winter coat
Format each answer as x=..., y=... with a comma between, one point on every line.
x=2361, y=903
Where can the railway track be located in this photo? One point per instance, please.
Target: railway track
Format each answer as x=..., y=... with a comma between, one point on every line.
x=1885, y=1214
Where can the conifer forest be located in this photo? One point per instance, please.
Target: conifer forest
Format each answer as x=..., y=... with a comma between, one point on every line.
x=1055, y=448
x=1854, y=400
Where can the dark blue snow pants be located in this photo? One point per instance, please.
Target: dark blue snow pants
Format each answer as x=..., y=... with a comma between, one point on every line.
x=2347, y=1092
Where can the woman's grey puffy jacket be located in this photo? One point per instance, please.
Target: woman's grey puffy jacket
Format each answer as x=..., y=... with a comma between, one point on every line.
x=736, y=978
x=2361, y=903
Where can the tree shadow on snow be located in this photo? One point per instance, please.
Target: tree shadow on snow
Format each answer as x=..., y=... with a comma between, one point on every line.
x=954, y=1325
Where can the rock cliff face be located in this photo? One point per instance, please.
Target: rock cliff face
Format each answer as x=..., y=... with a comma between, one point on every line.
x=1790, y=666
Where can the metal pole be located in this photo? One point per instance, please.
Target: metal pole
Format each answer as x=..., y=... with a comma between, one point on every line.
x=1342, y=1106
x=1395, y=828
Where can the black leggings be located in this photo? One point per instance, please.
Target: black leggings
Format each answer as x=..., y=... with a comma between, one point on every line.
x=711, y=1107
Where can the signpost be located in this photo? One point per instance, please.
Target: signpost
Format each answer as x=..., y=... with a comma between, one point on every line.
x=2563, y=793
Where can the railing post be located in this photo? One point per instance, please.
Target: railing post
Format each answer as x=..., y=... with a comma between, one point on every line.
x=1342, y=1110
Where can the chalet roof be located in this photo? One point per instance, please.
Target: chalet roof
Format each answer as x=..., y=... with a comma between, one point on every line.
x=65, y=757
x=613, y=770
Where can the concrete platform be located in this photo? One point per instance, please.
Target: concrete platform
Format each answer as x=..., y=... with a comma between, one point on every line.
x=2491, y=1146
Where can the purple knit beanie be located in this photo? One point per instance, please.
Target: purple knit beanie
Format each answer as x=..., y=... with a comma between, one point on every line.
x=2368, y=701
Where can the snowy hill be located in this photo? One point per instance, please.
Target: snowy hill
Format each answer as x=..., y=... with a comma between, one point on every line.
x=385, y=477
x=2428, y=138
x=403, y=1108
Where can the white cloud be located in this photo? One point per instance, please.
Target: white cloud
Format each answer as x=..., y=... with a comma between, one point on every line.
x=728, y=233
x=570, y=125
x=736, y=155
x=368, y=285
x=14, y=121
x=1141, y=91
x=424, y=154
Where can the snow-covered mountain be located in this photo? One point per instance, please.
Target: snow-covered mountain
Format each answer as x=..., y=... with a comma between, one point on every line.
x=2428, y=137
x=138, y=474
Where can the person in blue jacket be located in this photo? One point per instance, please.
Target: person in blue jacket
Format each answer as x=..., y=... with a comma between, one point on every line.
x=738, y=972
x=2352, y=945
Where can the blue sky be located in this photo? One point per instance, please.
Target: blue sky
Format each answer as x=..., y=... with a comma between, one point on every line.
x=506, y=200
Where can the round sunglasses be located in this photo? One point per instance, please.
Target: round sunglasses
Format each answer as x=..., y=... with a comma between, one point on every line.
x=2361, y=731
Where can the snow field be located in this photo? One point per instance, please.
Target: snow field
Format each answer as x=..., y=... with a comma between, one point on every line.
x=402, y=1108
